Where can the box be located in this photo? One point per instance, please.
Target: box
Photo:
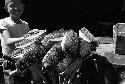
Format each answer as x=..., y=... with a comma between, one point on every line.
x=119, y=38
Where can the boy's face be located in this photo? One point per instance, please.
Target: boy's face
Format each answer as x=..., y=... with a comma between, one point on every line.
x=15, y=8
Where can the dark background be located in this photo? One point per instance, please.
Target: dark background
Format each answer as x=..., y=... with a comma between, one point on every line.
x=97, y=15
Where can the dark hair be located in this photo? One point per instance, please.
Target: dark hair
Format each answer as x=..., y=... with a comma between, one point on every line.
x=25, y=2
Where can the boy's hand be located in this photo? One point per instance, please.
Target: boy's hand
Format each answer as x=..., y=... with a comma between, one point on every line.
x=12, y=73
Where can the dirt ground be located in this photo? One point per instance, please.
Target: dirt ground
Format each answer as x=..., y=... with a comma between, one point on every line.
x=107, y=49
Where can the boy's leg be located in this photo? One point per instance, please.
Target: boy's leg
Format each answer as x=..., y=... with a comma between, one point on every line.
x=8, y=79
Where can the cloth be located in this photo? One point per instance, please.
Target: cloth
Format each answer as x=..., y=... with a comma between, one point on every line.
x=65, y=57
x=63, y=53
x=37, y=55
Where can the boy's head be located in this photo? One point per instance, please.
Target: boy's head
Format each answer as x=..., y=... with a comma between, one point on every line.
x=14, y=7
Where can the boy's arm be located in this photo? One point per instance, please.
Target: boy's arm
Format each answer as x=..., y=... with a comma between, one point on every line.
x=8, y=39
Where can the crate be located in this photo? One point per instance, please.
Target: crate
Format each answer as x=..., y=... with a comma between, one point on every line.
x=119, y=38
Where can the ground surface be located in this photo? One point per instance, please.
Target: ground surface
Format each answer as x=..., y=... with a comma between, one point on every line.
x=107, y=49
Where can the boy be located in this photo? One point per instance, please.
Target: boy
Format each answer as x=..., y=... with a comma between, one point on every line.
x=12, y=30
